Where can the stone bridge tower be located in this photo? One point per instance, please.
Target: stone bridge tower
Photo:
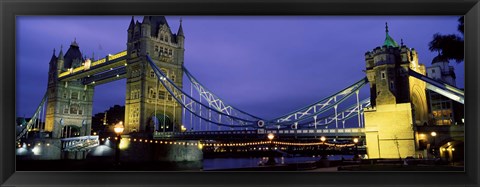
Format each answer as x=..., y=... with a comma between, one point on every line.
x=69, y=105
x=398, y=100
x=148, y=106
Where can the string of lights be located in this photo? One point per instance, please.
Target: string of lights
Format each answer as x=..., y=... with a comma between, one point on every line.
x=173, y=142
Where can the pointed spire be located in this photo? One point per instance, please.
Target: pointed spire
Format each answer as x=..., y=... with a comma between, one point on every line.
x=132, y=24
x=146, y=20
x=60, y=55
x=401, y=41
x=74, y=43
x=180, y=29
x=389, y=41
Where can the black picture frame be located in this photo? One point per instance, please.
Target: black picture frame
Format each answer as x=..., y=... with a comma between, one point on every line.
x=9, y=9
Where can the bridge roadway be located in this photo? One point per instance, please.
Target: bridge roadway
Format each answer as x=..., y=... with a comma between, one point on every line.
x=261, y=134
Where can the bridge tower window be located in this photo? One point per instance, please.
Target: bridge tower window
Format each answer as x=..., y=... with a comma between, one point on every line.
x=383, y=75
x=156, y=48
x=74, y=109
x=65, y=109
x=152, y=74
x=161, y=94
x=74, y=95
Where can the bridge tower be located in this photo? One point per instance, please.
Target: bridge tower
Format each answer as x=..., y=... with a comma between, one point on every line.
x=69, y=106
x=398, y=100
x=148, y=106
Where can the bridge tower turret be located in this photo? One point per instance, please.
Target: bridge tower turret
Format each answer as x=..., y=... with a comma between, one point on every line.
x=147, y=101
x=398, y=100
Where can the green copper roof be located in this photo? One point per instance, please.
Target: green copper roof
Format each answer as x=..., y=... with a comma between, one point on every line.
x=389, y=41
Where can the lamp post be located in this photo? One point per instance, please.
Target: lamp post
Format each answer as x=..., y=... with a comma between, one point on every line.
x=271, y=160
x=118, y=128
x=355, y=140
x=323, y=139
x=433, y=143
x=453, y=162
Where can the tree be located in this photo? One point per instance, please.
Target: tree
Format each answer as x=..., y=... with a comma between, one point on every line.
x=449, y=47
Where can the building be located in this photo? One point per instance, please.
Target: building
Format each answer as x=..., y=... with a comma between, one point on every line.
x=443, y=111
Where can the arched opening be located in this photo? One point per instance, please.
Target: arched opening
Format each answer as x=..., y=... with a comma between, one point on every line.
x=160, y=123
x=70, y=131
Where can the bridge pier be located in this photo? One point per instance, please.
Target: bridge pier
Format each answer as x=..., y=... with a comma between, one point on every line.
x=140, y=151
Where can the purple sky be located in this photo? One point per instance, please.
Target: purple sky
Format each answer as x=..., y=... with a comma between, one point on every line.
x=267, y=66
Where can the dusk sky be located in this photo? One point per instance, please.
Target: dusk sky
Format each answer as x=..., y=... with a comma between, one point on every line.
x=267, y=66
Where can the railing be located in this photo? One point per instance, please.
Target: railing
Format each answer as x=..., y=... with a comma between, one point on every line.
x=80, y=143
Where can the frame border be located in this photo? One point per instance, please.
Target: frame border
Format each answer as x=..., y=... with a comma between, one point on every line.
x=10, y=9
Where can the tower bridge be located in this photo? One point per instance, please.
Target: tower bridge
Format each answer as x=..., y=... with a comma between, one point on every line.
x=160, y=105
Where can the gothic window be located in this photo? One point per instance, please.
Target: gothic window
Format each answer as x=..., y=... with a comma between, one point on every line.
x=152, y=74
x=165, y=71
x=161, y=37
x=152, y=93
x=65, y=94
x=170, y=51
x=74, y=109
x=173, y=78
x=391, y=85
x=65, y=109
x=383, y=75
x=80, y=111
x=161, y=94
x=156, y=48
x=170, y=98
x=74, y=95
x=433, y=70
x=161, y=50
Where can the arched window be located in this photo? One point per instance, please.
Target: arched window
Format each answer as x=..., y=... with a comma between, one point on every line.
x=74, y=109
x=152, y=74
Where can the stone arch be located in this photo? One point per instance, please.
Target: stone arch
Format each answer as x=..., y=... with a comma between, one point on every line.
x=419, y=106
x=160, y=121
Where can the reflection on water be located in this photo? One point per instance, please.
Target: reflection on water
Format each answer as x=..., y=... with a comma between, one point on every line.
x=224, y=163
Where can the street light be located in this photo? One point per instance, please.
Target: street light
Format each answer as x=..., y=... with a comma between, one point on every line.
x=453, y=161
x=433, y=144
x=118, y=128
x=323, y=139
x=355, y=140
x=271, y=160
